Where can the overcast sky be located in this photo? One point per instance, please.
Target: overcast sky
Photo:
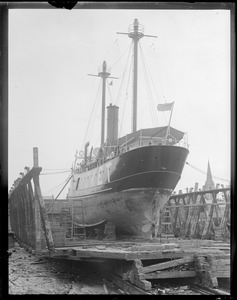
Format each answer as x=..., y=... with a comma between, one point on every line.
x=51, y=97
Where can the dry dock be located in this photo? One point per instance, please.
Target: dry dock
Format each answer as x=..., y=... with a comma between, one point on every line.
x=193, y=243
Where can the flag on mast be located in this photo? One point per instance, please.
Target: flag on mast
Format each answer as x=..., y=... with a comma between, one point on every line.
x=165, y=106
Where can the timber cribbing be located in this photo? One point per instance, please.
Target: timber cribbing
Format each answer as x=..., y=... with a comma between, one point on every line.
x=200, y=214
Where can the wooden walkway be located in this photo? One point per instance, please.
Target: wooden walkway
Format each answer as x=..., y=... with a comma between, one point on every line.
x=140, y=262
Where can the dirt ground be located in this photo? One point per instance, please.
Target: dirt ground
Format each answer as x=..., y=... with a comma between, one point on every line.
x=31, y=275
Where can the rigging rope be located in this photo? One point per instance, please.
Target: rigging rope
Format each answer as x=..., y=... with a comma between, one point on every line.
x=93, y=108
x=152, y=106
x=123, y=76
x=54, y=188
x=157, y=69
x=126, y=96
x=159, y=80
x=205, y=173
x=52, y=173
x=59, y=193
x=120, y=55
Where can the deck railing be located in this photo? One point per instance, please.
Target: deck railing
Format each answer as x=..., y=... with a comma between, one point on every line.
x=110, y=152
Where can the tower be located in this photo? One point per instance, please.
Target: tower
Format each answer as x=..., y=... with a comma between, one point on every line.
x=209, y=184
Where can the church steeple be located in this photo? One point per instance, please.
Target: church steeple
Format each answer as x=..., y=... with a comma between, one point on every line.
x=209, y=184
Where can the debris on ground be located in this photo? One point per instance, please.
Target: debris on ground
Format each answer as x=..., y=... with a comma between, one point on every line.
x=29, y=274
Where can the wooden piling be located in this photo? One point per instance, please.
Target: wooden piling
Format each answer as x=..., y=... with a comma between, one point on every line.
x=35, y=157
x=42, y=208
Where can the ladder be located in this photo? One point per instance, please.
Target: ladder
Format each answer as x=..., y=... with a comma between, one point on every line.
x=66, y=221
x=78, y=221
x=166, y=224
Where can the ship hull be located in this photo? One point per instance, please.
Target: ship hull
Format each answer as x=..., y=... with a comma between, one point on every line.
x=129, y=190
x=134, y=211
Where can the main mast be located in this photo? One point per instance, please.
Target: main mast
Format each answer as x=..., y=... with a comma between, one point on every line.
x=104, y=74
x=135, y=32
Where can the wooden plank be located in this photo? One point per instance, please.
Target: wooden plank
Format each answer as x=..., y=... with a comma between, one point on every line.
x=182, y=216
x=44, y=215
x=35, y=171
x=219, y=262
x=217, y=248
x=201, y=192
x=194, y=221
x=37, y=227
x=222, y=274
x=100, y=253
x=28, y=218
x=22, y=215
x=176, y=213
x=171, y=274
x=225, y=216
x=168, y=264
x=33, y=213
x=148, y=247
x=143, y=255
x=192, y=201
x=208, y=223
x=220, y=268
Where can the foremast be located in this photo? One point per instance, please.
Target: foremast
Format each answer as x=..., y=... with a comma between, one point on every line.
x=103, y=72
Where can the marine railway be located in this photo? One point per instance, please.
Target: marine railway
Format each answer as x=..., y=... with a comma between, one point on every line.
x=193, y=243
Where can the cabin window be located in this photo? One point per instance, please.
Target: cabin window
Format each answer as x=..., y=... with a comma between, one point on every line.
x=78, y=180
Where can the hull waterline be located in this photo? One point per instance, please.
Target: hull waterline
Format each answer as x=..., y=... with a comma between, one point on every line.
x=129, y=190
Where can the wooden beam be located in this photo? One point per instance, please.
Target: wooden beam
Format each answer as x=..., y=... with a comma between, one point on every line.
x=201, y=192
x=37, y=227
x=176, y=213
x=168, y=264
x=44, y=215
x=192, y=201
x=171, y=274
x=34, y=216
x=35, y=171
x=195, y=218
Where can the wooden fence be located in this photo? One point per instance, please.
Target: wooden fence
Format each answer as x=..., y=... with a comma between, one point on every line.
x=200, y=214
x=27, y=212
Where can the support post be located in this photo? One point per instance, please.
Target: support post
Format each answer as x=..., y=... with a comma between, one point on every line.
x=37, y=226
x=39, y=205
x=35, y=157
x=44, y=216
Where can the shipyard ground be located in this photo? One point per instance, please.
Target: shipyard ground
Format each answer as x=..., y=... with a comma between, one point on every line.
x=29, y=274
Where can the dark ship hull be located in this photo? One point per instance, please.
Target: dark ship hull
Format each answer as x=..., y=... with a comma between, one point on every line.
x=130, y=189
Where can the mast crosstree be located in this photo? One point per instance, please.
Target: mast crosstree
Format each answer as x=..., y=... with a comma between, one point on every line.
x=135, y=32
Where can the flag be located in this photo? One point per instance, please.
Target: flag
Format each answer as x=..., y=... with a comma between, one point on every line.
x=165, y=106
x=111, y=83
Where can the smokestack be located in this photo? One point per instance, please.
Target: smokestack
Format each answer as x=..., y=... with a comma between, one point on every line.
x=85, y=152
x=112, y=126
